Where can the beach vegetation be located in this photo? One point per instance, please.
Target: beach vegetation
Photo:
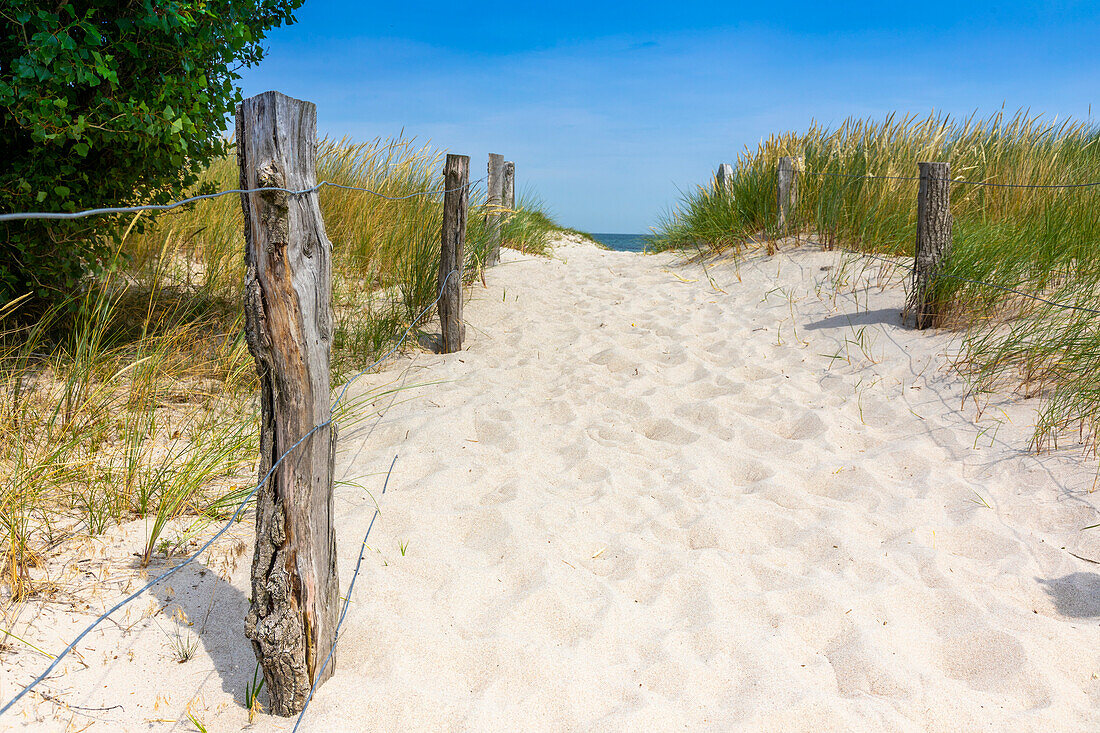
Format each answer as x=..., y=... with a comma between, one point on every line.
x=135, y=397
x=110, y=104
x=1022, y=284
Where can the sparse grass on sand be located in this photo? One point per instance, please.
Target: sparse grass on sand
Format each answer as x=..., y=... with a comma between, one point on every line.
x=137, y=398
x=1044, y=242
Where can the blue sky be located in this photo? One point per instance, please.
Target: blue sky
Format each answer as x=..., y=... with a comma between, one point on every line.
x=609, y=110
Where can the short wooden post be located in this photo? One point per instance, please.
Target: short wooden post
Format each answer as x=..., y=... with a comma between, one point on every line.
x=495, y=202
x=509, y=193
x=456, y=179
x=933, y=240
x=288, y=286
x=725, y=179
x=787, y=193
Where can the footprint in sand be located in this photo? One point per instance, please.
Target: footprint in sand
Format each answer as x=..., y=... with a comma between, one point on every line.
x=707, y=418
x=993, y=661
x=626, y=406
x=859, y=670
x=485, y=530
x=803, y=427
x=615, y=360
x=495, y=434
x=557, y=412
x=745, y=471
x=590, y=472
x=666, y=431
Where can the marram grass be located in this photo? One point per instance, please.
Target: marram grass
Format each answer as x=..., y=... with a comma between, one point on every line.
x=1042, y=241
x=138, y=399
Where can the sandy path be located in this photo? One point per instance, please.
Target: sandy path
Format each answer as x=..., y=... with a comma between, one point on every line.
x=636, y=501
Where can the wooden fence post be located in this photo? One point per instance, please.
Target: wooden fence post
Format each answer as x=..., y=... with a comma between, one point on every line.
x=288, y=286
x=725, y=179
x=456, y=179
x=933, y=240
x=787, y=193
x=509, y=192
x=496, y=200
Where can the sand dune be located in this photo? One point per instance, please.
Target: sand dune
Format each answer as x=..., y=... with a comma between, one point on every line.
x=649, y=496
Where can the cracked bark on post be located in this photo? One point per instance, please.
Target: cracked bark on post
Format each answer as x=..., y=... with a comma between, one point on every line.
x=288, y=321
x=456, y=177
x=496, y=200
x=933, y=240
x=509, y=194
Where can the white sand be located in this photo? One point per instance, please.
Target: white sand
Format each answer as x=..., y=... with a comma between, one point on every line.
x=636, y=502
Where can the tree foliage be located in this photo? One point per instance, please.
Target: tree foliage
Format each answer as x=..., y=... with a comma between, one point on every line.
x=110, y=102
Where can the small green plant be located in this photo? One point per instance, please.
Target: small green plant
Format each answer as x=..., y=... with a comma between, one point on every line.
x=194, y=720
x=252, y=694
x=185, y=647
x=979, y=500
x=403, y=547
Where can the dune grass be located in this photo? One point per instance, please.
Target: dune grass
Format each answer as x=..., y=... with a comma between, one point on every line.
x=138, y=398
x=856, y=193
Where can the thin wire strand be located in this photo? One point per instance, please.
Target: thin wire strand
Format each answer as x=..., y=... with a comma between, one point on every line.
x=856, y=175
x=347, y=601
x=1005, y=288
x=957, y=180
x=1026, y=185
x=236, y=514
x=1021, y=292
x=203, y=197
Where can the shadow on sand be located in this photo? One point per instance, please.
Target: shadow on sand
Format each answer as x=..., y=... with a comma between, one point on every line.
x=1076, y=595
x=889, y=316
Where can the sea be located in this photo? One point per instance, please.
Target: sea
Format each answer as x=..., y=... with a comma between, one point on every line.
x=623, y=242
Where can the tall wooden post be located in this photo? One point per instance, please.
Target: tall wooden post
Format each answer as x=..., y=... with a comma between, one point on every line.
x=725, y=179
x=509, y=188
x=787, y=193
x=933, y=240
x=496, y=201
x=456, y=178
x=288, y=286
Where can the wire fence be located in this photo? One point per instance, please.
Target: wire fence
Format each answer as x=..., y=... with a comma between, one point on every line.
x=57, y=215
x=236, y=515
x=958, y=278
x=24, y=216
x=990, y=184
x=895, y=263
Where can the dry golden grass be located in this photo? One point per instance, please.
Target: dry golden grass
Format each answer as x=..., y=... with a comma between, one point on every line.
x=137, y=398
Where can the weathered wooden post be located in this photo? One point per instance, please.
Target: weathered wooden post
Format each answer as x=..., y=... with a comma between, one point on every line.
x=725, y=179
x=456, y=178
x=496, y=200
x=509, y=193
x=295, y=591
x=787, y=193
x=933, y=240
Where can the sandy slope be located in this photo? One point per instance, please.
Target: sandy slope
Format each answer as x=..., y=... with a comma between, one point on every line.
x=637, y=502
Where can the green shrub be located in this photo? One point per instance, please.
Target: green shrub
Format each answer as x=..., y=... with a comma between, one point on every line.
x=110, y=103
